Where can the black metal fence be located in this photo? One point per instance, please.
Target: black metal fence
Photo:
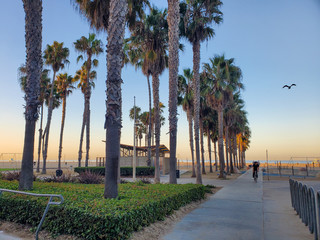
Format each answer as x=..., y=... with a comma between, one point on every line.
x=306, y=202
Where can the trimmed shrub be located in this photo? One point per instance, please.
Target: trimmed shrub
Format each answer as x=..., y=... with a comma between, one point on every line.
x=88, y=177
x=124, y=171
x=86, y=214
x=97, y=170
x=13, y=175
x=10, y=176
x=145, y=180
x=65, y=177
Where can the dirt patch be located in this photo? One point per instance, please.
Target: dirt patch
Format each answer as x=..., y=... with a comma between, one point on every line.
x=155, y=231
x=24, y=232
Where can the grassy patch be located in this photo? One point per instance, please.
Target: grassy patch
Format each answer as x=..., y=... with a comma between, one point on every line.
x=87, y=214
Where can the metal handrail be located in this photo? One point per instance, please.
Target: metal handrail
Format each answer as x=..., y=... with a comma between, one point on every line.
x=306, y=202
x=50, y=202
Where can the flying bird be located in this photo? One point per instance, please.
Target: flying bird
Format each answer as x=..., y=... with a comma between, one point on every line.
x=289, y=86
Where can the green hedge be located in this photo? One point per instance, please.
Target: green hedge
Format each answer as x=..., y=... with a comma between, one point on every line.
x=124, y=171
x=86, y=214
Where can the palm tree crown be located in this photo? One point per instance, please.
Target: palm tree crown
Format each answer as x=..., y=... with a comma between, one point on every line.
x=197, y=18
x=98, y=11
x=56, y=56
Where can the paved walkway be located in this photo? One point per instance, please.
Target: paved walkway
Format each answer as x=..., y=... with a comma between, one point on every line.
x=244, y=210
x=4, y=236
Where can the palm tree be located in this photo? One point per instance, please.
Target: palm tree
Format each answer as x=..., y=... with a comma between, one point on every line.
x=137, y=110
x=152, y=35
x=56, y=56
x=116, y=27
x=173, y=23
x=245, y=143
x=185, y=99
x=81, y=76
x=204, y=111
x=98, y=12
x=64, y=86
x=134, y=54
x=198, y=15
x=224, y=80
x=238, y=128
x=228, y=120
x=44, y=84
x=210, y=125
x=110, y=17
x=233, y=113
x=91, y=47
x=33, y=36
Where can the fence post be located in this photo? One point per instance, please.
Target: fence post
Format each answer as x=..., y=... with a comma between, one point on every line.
x=317, y=205
x=306, y=202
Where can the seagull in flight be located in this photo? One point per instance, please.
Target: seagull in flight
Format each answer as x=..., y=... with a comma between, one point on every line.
x=289, y=86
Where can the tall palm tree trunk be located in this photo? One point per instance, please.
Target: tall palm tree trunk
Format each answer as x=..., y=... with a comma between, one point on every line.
x=215, y=155
x=87, y=102
x=26, y=177
x=227, y=147
x=220, y=143
x=39, y=142
x=235, y=157
x=149, y=125
x=152, y=133
x=146, y=137
x=230, y=155
x=61, y=130
x=189, y=116
x=33, y=36
x=88, y=130
x=202, y=147
x=209, y=149
x=196, y=90
x=118, y=9
x=173, y=22
x=81, y=136
x=239, y=158
x=46, y=140
x=155, y=88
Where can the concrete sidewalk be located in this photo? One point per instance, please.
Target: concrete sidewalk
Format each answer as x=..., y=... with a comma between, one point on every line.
x=4, y=236
x=244, y=210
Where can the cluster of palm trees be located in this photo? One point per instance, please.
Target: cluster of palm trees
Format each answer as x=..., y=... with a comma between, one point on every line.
x=222, y=117
x=153, y=46
x=144, y=120
x=55, y=92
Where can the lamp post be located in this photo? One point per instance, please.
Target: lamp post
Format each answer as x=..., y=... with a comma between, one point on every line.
x=134, y=161
x=267, y=163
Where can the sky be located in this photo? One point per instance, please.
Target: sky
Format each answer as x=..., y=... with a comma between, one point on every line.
x=273, y=42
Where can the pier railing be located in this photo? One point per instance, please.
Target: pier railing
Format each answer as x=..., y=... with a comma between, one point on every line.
x=306, y=202
x=50, y=202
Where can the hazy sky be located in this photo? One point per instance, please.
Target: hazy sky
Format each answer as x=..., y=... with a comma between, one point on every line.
x=273, y=42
